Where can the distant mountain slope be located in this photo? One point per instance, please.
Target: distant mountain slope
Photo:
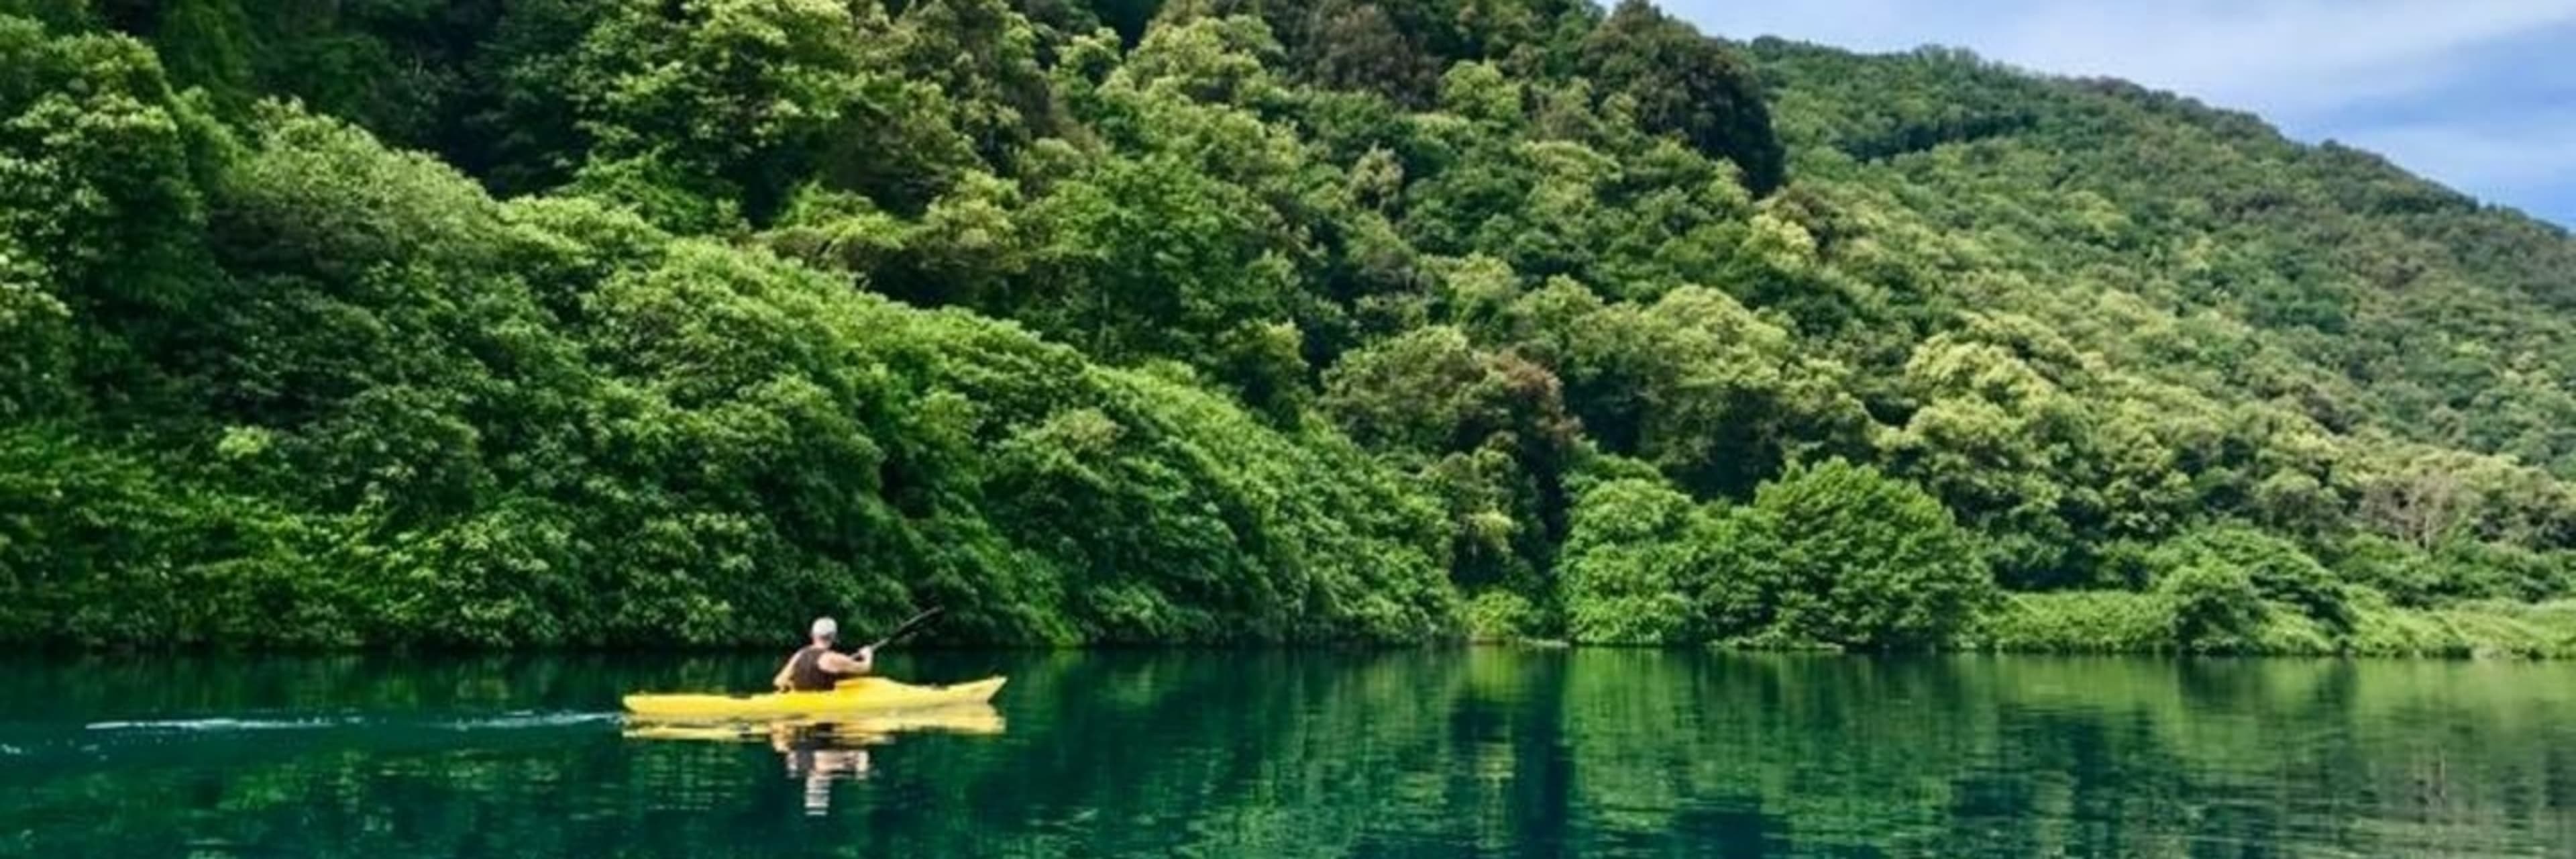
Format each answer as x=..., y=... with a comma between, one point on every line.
x=1233, y=320
x=2412, y=309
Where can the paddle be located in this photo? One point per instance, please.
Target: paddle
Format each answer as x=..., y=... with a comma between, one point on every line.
x=909, y=627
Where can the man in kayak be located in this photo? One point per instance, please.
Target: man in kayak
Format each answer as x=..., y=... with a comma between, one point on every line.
x=817, y=667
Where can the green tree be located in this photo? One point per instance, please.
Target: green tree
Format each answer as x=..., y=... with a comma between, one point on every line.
x=1635, y=555
x=1708, y=391
x=1680, y=82
x=1312, y=319
x=1490, y=430
x=1862, y=561
x=2216, y=606
x=731, y=99
x=2218, y=566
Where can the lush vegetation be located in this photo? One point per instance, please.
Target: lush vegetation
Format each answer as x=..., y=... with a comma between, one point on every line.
x=548, y=322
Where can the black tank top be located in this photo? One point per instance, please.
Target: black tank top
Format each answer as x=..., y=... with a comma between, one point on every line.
x=805, y=673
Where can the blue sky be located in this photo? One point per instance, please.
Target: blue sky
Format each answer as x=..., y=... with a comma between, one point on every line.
x=2479, y=95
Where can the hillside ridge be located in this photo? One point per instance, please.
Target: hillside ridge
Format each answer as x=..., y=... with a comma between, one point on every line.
x=546, y=323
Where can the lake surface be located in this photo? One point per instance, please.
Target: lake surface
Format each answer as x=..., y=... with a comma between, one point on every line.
x=1475, y=752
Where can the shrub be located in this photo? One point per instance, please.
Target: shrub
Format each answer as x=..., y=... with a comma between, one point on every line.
x=2406, y=575
x=2277, y=570
x=1632, y=553
x=2464, y=569
x=2216, y=607
x=1501, y=615
x=2077, y=622
x=1863, y=561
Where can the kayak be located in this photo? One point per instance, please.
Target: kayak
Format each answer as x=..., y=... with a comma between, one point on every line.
x=847, y=730
x=858, y=695
x=852, y=696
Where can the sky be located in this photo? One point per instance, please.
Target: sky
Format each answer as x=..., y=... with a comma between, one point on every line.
x=2479, y=95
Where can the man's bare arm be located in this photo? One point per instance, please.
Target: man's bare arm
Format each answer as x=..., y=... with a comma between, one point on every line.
x=850, y=666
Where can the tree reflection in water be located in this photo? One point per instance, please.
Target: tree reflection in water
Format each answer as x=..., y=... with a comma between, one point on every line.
x=1486, y=752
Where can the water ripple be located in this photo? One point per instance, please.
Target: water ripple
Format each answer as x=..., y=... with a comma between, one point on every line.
x=503, y=721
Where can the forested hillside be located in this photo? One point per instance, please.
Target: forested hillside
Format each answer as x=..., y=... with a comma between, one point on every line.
x=675, y=322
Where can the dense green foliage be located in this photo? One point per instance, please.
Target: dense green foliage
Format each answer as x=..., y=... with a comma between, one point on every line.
x=538, y=321
x=1836, y=555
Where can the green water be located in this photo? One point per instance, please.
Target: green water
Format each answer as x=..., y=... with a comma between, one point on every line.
x=1485, y=752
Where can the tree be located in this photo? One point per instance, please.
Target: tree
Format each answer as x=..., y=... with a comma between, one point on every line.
x=2216, y=607
x=1712, y=394
x=1307, y=319
x=2278, y=571
x=1687, y=84
x=2003, y=436
x=1125, y=291
x=736, y=98
x=982, y=57
x=36, y=362
x=104, y=174
x=1354, y=44
x=1490, y=430
x=1634, y=556
x=2422, y=507
x=1863, y=561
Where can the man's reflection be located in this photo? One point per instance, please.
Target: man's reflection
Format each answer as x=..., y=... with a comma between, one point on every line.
x=818, y=752
x=813, y=755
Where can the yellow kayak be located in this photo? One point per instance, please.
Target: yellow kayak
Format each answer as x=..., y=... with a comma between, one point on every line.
x=976, y=719
x=863, y=694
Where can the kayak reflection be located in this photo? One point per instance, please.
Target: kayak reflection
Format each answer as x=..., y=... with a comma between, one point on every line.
x=819, y=751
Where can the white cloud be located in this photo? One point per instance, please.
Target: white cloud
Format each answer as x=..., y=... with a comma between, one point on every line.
x=2287, y=59
x=2478, y=155
x=2282, y=57
x=2448, y=89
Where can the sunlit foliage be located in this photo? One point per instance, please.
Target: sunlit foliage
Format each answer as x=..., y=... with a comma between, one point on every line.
x=545, y=322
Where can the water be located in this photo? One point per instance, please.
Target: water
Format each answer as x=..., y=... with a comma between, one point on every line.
x=1484, y=752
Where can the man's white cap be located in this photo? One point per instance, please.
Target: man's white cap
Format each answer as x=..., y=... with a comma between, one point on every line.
x=825, y=628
